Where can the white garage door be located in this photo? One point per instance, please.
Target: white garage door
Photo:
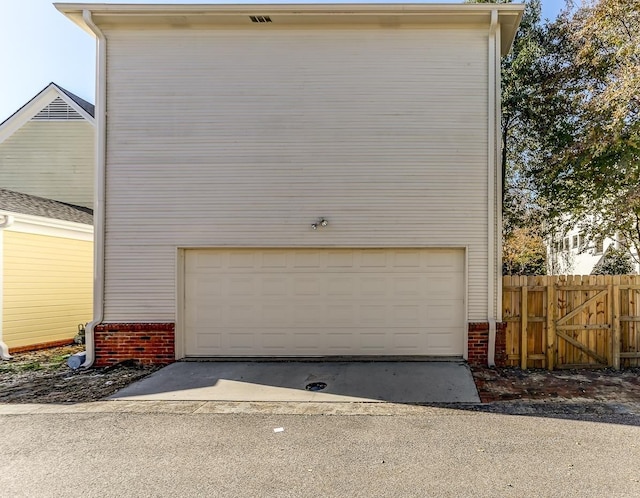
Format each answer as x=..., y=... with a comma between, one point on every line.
x=307, y=302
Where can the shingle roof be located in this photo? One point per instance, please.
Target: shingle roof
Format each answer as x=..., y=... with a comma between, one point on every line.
x=90, y=108
x=19, y=203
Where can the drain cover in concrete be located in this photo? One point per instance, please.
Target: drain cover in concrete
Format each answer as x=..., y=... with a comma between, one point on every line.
x=398, y=382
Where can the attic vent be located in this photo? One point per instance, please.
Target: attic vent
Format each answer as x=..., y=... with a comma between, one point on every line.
x=260, y=18
x=58, y=110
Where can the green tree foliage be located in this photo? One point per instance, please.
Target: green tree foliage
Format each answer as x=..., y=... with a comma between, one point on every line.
x=614, y=262
x=521, y=105
x=571, y=122
x=589, y=173
x=521, y=109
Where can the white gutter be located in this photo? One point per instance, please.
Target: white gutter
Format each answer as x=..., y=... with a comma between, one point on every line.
x=99, y=188
x=6, y=222
x=494, y=113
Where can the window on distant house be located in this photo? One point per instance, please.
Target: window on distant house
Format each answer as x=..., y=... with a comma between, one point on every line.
x=582, y=238
x=574, y=242
x=599, y=246
x=565, y=244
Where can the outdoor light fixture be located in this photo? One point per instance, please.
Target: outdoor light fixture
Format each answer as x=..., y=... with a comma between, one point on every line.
x=320, y=223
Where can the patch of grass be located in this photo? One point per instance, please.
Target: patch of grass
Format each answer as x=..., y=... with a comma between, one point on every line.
x=31, y=366
x=58, y=360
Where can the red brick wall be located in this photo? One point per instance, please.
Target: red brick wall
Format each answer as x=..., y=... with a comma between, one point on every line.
x=479, y=343
x=143, y=342
x=155, y=343
x=501, y=344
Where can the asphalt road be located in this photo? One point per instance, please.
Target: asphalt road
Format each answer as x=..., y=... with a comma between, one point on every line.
x=439, y=452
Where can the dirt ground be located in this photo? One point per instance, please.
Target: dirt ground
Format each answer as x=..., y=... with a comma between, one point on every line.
x=44, y=377
x=508, y=384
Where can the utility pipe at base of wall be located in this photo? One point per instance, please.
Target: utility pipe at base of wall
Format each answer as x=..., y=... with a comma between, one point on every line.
x=99, y=190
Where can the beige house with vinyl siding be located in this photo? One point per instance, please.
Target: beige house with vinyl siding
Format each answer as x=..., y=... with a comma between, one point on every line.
x=47, y=147
x=298, y=180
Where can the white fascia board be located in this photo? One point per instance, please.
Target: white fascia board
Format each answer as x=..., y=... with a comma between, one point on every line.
x=40, y=225
x=34, y=106
x=171, y=15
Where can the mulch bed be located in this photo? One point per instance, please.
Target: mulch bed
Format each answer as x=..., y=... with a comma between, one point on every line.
x=508, y=384
x=44, y=377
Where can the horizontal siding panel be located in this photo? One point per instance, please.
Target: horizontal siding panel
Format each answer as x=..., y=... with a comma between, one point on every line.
x=245, y=137
x=51, y=159
x=48, y=288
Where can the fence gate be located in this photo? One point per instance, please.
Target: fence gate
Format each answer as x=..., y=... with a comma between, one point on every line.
x=571, y=321
x=581, y=323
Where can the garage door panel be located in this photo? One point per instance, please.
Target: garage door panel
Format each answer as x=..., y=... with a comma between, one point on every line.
x=275, y=342
x=373, y=343
x=206, y=340
x=339, y=259
x=374, y=259
x=274, y=286
x=408, y=286
x=442, y=315
x=373, y=286
x=253, y=302
x=339, y=286
x=273, y=259
x=307, y=286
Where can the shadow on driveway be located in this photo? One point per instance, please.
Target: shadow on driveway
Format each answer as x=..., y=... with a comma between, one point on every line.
x=416, y=382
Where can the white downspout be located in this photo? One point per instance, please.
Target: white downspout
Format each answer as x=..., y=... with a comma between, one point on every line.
x=99, y=188
x=6, y=222
x=493, y=110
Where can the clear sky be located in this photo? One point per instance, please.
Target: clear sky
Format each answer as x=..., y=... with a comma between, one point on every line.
x=39, y=45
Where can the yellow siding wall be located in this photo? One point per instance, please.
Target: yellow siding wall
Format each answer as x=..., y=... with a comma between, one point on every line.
x=48, y=287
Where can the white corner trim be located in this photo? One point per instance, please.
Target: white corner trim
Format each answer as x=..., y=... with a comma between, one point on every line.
x=34, y=106
x=499, y=179
x=4, y=349
x=40, y=225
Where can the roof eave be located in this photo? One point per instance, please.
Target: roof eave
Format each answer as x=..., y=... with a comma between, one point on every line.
x=509, y=15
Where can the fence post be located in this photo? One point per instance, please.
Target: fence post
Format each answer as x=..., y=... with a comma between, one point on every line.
x=524, y=317
x=551, y=323
x=615, y=325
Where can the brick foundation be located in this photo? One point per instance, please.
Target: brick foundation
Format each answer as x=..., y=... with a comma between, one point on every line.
x=501, y=344
x=148, y=343
x=155, y=343
x=478, y=343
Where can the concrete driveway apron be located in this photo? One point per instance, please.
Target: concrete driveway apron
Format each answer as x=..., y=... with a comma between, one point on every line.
x=419, y=382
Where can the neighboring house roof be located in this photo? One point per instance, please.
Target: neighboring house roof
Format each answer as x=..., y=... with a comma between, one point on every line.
x=87, y=106
x=47, y=96
x=18, y=203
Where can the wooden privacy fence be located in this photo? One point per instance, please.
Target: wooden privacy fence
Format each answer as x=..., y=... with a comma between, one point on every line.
x=572, y=321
